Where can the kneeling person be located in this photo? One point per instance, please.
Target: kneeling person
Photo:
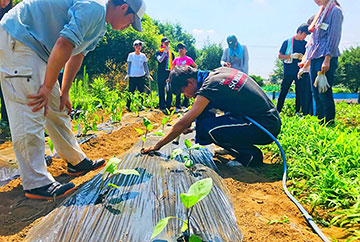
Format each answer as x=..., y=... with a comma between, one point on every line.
x=238, y=96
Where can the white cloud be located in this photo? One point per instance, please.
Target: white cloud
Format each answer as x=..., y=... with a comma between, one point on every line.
x=203, y=31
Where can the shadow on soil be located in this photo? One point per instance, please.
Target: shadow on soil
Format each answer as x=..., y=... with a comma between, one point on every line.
x=17, y=212
x=265, y=173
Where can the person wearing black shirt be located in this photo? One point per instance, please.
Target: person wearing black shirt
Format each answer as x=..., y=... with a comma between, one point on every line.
x=164, y=57
x=291, y=52
x=5, y=6
x=238, y=96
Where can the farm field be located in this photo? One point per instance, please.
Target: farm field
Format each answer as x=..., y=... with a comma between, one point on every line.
x=323, y=170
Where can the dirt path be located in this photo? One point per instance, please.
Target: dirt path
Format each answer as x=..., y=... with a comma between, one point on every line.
x=257, y=194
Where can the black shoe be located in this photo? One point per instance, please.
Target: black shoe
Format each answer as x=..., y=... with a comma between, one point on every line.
x=48, y=160
x=85, y=166
x=49, y=192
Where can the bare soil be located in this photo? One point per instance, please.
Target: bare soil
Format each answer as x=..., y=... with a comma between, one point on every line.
x=257, y=194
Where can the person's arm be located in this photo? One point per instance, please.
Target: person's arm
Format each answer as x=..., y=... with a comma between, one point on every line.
x=246, y=60
x=59, y=55
x=146, y=68
x=225, y=58
x=284, y=57
x=335, y=28
x=194, y=65
x=71, y=69
x=184, y=123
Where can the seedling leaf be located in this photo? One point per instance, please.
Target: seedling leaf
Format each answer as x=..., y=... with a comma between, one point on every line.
x=176, y=152
x=194, y=238
x=160, y=226
x=113, y=185
x=188, y=200
x=146, y=122
x=189, y=163
x=139, y=131
x=143, y=139
x=149, y=127
x=111, y=165
x=127, y=172
x=159, y=134
x=201, y=189
x=51, y=145
x=165, y=120
x=187, y=143
x=185, y=226
x=196, y=147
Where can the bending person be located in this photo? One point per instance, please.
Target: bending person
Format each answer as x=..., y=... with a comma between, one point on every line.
x=34, y=46
x=222, y=89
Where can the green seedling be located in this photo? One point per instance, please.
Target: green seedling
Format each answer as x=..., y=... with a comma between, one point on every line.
x=111, y=169
x=189, y=163
x=283, y=220
x=197, y=192
x=148, y=128
x=50, y=143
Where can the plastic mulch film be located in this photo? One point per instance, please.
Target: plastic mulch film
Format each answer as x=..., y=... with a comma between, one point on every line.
x=131, y=212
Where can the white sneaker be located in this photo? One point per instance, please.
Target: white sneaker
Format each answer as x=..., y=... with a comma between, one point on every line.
x=221, y=151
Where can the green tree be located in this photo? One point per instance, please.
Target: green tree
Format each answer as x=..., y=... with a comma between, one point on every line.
x=348, y=73
x=258, y=79
x=210, y=56
x=278, y=71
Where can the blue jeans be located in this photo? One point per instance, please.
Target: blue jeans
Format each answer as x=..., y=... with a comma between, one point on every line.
x=325, y=106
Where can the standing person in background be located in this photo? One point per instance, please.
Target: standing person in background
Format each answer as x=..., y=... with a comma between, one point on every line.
x=323, y=53
x=292, y=52
x=304, y=75
x=137, y=70
x=236, y=56
x=164, y=57
x=183, y=59
x=5, y=6
x=37, y=39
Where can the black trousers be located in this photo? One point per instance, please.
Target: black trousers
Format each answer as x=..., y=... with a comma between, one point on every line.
x=235, y=134
x=135, y=83
x=177, y=102
x=4, y=116
x=285, y=86
x=162, y=77
x=306, y=95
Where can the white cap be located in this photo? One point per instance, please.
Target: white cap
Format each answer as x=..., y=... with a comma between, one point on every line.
x=136, y=42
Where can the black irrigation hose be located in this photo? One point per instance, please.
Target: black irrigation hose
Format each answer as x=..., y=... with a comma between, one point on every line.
x=293, y=199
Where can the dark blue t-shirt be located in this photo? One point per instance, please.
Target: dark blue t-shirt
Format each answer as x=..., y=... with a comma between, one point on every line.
x=299, y=47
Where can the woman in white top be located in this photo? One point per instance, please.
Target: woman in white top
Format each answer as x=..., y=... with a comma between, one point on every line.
x=137, y=70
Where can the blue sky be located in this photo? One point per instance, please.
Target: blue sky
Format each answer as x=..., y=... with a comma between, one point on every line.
x=262, y=25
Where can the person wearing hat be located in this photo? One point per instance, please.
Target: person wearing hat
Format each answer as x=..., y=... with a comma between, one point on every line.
x=236, y=56
x=238, y=96
x=183, y=59
x=292, y=52
x=164, y=57
x=5, y=6
x=137, y=70
x=37, y=39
